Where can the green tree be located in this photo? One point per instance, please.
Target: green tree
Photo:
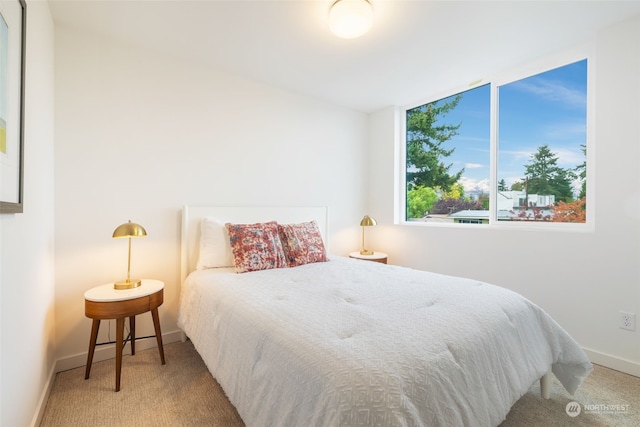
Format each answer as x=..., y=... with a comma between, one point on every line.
x=502, y=185
x=561, y=185
x=425, y=146
x=517, y=186
x=484, y=201
x=581, y=174
x=544, y=176
x=420, y=200
x=455, y=192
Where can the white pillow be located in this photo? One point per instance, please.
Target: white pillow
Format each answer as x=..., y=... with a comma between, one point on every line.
x=215, y=249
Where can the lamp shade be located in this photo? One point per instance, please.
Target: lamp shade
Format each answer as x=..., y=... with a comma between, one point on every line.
x=367, y=221
x=350, y=18
x=129, y=229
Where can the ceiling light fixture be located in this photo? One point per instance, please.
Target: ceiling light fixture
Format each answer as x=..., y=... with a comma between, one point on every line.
x=350, y=18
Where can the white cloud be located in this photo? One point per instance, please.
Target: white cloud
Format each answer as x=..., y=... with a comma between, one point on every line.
x=471, y=185
x=553, y=91
x=521, y=156
x=569, y=158
x=473, y=166
x=566, y=131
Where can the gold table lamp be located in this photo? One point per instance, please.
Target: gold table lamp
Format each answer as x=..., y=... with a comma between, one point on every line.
x=367, y=221
x=128, y=230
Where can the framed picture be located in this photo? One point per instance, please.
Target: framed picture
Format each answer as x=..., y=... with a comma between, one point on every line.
x=13, y=19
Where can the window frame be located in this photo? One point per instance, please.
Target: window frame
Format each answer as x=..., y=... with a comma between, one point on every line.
x=500, y=79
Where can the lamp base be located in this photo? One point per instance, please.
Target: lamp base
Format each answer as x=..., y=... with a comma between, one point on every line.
x=366, y=252
x=127, y=284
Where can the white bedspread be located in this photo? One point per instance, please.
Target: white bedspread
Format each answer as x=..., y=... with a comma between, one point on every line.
x=349, y=342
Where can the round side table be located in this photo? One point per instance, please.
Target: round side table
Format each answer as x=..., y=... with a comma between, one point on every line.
x=380, y=257
x=105, y=302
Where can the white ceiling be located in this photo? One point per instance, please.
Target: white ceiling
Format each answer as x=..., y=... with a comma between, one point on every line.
x=416, y=47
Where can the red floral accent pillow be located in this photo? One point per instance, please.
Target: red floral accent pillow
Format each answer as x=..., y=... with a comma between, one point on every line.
x=302, y=243
x=256, y=246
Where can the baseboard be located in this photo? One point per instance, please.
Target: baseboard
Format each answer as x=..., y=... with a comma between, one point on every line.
x=614, y=362
x=44, y=397
x=108, y=351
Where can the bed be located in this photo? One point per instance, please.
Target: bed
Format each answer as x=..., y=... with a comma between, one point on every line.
x=345, y=342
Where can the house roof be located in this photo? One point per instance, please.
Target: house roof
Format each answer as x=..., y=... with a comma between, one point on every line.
x=415, y=49
x=470, y=214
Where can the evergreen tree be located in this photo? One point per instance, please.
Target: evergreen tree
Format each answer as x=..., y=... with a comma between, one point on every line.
x=544, y=176
x=581, y=174
x=425, y=146
x=561, y=186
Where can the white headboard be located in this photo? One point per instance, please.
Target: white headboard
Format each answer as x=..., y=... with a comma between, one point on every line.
x=192, y=217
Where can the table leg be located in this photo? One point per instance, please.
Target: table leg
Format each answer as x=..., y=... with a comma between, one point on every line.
x=92, y=346
x=119, y=339
x=156, y=326
x=132, y=327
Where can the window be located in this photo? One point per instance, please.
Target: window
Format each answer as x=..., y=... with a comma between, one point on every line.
x=448, y=156
x=507, y=151
x=542, y=135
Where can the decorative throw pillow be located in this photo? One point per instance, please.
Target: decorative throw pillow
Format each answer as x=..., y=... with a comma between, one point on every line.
x=302, y=243
x=215, y=250
x=256, y=246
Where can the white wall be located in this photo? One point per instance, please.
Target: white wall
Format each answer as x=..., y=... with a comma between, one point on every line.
x=581, y=279
x=139, y=135
x=26, y=257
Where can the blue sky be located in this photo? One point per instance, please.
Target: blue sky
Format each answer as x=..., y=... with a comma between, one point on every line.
x=548, y=108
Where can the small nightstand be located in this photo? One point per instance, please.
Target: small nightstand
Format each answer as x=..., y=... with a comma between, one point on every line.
x=380, y=257
x=105, y=302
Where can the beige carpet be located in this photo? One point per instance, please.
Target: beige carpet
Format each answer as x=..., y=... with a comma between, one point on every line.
x=183, y=393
